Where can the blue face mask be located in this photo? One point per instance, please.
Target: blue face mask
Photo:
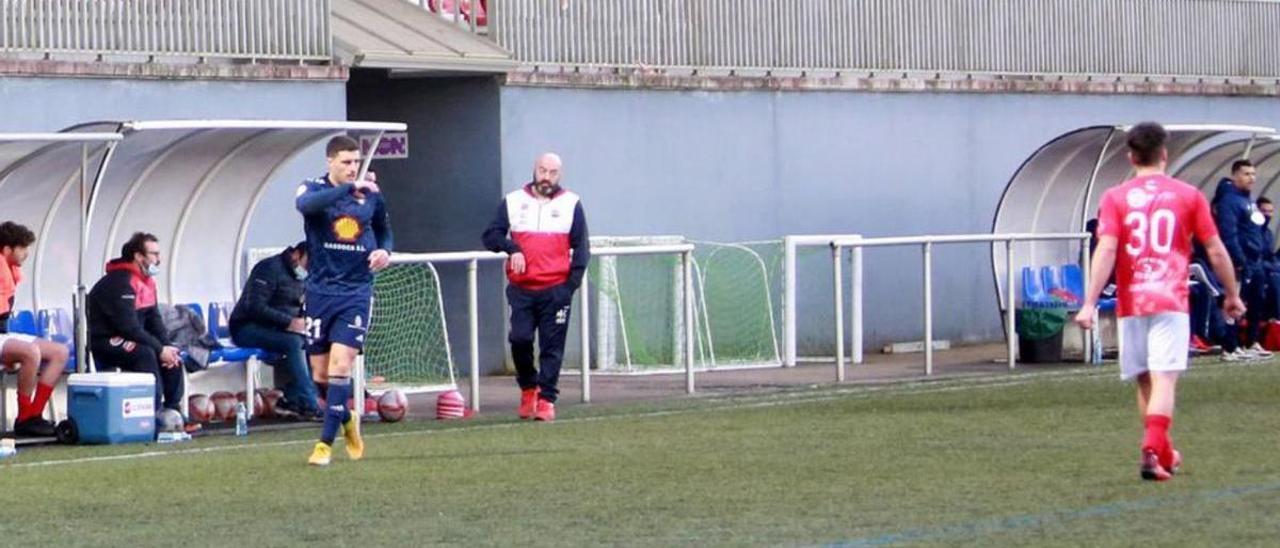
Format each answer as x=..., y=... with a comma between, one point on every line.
x=300, y=273
x=153, y=270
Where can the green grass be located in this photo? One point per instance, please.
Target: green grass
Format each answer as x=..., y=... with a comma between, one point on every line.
x=1015, y=460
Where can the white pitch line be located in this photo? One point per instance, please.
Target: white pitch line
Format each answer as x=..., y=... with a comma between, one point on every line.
x=775, y=400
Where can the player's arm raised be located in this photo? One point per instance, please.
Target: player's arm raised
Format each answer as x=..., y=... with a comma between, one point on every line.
x=312, y=200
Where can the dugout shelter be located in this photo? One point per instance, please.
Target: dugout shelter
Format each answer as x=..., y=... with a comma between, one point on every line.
x=1057, y=189
x=195, y=184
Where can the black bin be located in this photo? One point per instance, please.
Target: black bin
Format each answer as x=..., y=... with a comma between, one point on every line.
x=1040, y=334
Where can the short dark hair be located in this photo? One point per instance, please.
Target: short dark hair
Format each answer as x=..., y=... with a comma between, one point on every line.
x=1238, y=164
x=300, y=246
x=15, y=235
x=1263, y=200
x=1146, y=140
x=341, y=143
x=137, y=244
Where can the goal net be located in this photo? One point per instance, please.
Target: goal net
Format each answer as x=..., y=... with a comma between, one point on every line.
x=637, y=308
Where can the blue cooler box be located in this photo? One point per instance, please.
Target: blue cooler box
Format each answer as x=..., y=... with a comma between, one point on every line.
x=113, y=407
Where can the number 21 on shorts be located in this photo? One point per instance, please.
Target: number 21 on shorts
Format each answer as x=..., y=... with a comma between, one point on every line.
x=313, y=328
x=1155, y=231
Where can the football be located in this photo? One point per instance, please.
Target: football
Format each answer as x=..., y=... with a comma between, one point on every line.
x=224, y=406
x=170, y=421
x=392, y=406
x=259, y=405
x=200, y=408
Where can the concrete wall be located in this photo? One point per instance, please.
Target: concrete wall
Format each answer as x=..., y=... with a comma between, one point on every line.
x=734, y=166
x=442, y=197
x=51, y=104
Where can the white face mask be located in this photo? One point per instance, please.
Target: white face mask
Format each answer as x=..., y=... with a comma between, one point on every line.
x=300, y=273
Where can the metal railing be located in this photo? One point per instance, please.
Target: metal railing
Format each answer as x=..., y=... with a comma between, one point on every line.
x=926, y=243
x=224, y=29
x=1225, y=38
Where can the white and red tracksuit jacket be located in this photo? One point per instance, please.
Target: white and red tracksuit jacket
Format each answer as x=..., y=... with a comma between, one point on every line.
x=551, y=234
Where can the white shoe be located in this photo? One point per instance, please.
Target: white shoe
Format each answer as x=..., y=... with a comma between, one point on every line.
x=1238, y=355
x=1260, y=352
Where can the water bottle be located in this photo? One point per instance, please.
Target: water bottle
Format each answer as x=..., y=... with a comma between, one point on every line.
x=7, y=448
x=242, y=419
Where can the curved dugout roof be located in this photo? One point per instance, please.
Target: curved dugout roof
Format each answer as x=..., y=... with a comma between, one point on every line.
x=42, y=179
x=194, y=184
x=1057, y=188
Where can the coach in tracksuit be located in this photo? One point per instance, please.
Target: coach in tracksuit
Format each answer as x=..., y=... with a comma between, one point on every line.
x=1240, y=225
x=125, y=329
x=544, y=230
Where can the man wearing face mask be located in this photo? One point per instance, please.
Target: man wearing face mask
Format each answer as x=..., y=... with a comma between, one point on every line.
x=269, y=316
x=549, y=251
x=125, y=328
x=1270, y=264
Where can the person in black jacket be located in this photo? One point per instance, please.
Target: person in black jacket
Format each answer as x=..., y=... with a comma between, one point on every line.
x=125, y=328
x=1240, y=225
x=269, y=316
x=1270, y=261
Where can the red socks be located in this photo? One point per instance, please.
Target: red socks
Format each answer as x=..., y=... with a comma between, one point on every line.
x=1157, y=438
x=34, y=407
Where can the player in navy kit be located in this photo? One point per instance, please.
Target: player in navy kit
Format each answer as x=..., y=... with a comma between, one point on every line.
x=348, y=239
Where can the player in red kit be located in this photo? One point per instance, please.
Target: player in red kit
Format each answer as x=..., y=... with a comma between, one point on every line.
x=1145, y=228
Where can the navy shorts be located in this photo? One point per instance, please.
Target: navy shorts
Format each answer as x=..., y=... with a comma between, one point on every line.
x=332, y=319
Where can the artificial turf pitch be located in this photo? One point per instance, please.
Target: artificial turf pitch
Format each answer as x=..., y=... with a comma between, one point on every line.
x=1033, y=459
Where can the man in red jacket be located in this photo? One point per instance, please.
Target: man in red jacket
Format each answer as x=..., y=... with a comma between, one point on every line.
x=125, y=329
x=543, y=229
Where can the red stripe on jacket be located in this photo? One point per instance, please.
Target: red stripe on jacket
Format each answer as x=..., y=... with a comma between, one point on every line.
x=541, y=229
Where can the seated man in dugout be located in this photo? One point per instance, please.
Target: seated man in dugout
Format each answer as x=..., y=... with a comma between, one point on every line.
x=125, y=328
x=26, y=353
x=269, y=316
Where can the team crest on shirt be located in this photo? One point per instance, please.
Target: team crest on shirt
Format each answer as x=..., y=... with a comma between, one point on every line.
x=346, y=229
x=1150, y=268
x=1137, y=198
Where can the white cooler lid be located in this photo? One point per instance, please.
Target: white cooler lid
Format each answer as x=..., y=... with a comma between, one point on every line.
x=111, y=379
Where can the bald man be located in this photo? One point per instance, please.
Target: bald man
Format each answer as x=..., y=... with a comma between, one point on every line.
x=543, y=229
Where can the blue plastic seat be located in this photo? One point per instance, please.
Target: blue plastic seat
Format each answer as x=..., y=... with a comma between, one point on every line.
x=23, y=322
x=219, y=321
x=220, y=328
x=57, y=325
x=1033, y=295
x=1073, y=279
x=1049, y=279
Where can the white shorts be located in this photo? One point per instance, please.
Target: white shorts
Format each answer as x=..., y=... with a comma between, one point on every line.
x=6, y=337
x=1154, y=343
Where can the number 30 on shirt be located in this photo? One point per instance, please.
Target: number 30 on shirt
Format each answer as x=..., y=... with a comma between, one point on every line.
x=1155, y=231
